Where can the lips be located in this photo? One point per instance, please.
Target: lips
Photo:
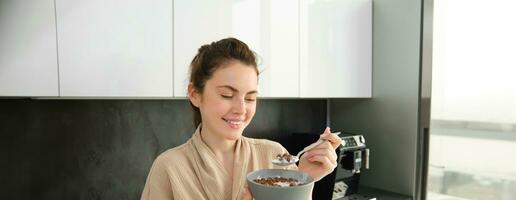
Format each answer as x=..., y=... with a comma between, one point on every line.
x=234, y=123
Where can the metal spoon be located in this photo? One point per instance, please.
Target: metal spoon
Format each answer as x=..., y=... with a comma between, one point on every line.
x=295, y=158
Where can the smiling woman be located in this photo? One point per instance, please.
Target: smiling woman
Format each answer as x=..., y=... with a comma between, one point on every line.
x=223, y=88
x=214, y=163
x=222, y=54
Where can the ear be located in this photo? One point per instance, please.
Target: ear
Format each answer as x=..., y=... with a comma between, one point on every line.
x=194, y=96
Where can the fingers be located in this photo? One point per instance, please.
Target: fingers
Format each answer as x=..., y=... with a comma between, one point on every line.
x=327, y=152
x=334, y=139
x=327, y=130
x=324, y=149
x=327, y=164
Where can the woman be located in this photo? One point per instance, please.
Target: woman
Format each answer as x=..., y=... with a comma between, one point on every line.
x=213, y=164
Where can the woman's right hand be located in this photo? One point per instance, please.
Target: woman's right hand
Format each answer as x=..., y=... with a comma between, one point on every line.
x=247, y=193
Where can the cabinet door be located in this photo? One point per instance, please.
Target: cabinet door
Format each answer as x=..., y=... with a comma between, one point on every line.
x=111, y=48
x=270, y=28
x=28, y=54
x=336, y=48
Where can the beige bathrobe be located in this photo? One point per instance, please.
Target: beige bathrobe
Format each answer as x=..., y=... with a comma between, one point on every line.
x=191, y=171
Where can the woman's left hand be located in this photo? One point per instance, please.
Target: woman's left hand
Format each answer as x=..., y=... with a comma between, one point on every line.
x=321, y=160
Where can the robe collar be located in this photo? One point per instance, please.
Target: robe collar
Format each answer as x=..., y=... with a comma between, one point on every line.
x=212, y=175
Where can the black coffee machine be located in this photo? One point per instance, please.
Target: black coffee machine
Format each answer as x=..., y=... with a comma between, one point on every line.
x=353, y=157
x=342, y=183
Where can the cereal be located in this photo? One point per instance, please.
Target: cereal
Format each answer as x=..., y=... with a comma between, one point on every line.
x=278, y=181
x=285, y=157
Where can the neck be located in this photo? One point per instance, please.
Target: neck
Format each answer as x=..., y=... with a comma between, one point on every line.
x=223, y=149
x=220, y=146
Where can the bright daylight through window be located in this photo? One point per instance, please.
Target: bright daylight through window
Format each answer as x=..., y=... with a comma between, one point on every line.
x=473, y=126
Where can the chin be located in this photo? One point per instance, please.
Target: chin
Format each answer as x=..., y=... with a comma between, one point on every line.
x=234, y=134
x=233, y=137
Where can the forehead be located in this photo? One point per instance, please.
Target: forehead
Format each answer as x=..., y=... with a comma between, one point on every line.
x=237, y=75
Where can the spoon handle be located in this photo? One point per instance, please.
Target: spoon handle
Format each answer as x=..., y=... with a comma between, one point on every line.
x=310, y=147
x=313, y=145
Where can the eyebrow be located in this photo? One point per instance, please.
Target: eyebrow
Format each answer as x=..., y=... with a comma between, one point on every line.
x=235, y=90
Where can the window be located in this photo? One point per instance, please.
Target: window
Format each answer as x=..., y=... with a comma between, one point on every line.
x=473, y=116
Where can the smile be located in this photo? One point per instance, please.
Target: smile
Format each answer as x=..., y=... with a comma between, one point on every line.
x=234, y=122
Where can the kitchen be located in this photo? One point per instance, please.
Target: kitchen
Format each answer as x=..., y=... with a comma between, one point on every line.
x=91, y=92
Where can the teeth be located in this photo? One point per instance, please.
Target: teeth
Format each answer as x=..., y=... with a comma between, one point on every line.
x=234, y=122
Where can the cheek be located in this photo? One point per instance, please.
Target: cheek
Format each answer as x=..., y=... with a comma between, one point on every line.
x=251, y=109
x=218, y=107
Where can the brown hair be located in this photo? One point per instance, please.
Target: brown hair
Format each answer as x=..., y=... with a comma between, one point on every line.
x=211, y=57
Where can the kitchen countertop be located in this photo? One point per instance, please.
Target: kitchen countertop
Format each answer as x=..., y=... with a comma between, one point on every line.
x=367, y=193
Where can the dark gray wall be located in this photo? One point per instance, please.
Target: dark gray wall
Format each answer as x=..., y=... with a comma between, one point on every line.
x=103, y=149
x=389, y=120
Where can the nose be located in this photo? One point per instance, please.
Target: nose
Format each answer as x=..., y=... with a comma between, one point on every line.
x=239, y=106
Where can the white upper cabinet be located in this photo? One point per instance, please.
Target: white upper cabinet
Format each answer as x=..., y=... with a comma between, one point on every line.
x=143, y=49
x=336, y=48
x=111, y=48
x=28, y=54
x=269, y=27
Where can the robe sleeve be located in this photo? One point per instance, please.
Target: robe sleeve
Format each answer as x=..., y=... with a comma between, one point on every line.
x=158, y=185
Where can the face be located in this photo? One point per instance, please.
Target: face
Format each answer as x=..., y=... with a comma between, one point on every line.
x=228, y=102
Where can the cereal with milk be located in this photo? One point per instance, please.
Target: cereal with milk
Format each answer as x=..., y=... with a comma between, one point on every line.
x=284, y=158
x=278, y=181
